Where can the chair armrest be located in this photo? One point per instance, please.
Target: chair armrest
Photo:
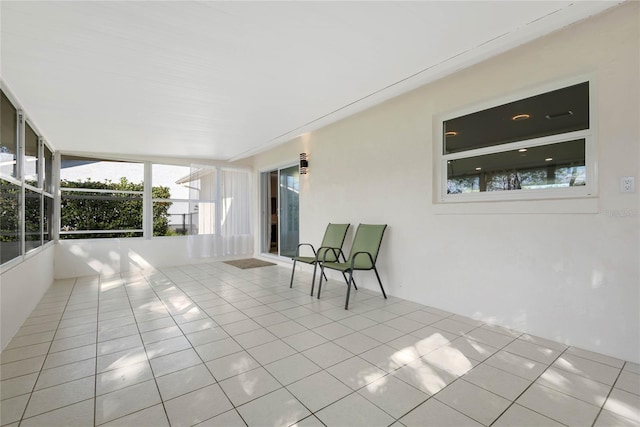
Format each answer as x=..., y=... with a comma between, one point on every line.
x=353, y=259
x=336, y=252
x=305, y=244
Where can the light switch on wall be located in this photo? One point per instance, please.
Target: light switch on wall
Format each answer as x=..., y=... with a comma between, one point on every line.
x=627, y=184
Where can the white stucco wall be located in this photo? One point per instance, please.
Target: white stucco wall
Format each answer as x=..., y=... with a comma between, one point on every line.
x=564, y=270
x=21, y=288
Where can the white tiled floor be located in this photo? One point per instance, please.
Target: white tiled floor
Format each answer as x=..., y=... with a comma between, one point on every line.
x=217, y=346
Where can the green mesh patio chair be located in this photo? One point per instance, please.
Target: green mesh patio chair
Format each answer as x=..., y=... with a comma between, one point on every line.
x=330, y=249
x=363, y=256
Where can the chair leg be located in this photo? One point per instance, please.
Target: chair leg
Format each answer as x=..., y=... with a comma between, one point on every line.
x=380, y=282
x=352, y=280
x=320, y=281
x=313, y=280
x=346, y=303
x=293, y=271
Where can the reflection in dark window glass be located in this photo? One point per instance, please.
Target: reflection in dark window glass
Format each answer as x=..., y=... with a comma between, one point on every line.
x=48, y=169
x=47, y=218
x=552, y=113
x=32, y=217
x=31, y=156
x=9, y=221
x=549, y=166
x=8, y=137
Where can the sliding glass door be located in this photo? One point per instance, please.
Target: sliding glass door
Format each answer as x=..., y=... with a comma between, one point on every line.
x=281, y=207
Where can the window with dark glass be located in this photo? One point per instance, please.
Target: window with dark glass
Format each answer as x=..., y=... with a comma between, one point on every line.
x=30, y=156
x=33, y=219
x=535, y=143
x=48, y=168
x=8, y=138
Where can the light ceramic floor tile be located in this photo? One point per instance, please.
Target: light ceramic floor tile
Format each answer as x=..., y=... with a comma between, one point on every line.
x=518, y=415
x=78, y=414
x=292, y=368
x=313, y=320
x=21, y=367
x=255, y=338
x=227, y=318
x=429, y=339
x=434, y=413
x=115, y=379
x=357, y=343
x=327, y=354
x=126, y=401
x=486, y=336
x=285, y=329
x=241, y=327
x=249, y=385
x=304, y=340
x=450, y=360
x=197, y=325
x=11, y=410
x=356, y=372
x=496, y=381
x=153, y=416
x=625, y=404
x=632, y=367
x=558, y=406
x=117, y=332
x=121, y=359
x=18, y=385
x=232, y=365
x=162, y=348
x=357, y=322
x=226, y=419
x=587, y=368
x=532, y=351
x=517, y=365
x=22, y=353
x=66, y=373
x=61, y=395
x=217, y=349
x=388, y=358
x=453, y=326
x=404, y=324
x=318, y=390
x=473, y=401
x=197, y=406
x=119, y=344
x=608, y=419
x=206, y=336
x=574, y=385
x=395, y=397
x=152, y=325
x=333, y=330
x=279, y=408
x=354, y=411
x=271, y=351
x=424, y=376
x=161, y=334
x=174, y=362
x=424, y=317
x=628, y=381
x=184, y=381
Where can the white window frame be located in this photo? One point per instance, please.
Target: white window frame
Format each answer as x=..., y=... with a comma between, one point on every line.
x=589, y=135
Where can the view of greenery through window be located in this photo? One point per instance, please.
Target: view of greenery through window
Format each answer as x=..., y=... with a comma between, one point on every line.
x=117, y=207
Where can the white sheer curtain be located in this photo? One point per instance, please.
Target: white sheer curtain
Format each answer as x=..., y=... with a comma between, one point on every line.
x=220, y=209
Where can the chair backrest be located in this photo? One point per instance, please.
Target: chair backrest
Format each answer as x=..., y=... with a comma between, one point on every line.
x=333, y=238
x=368, y=239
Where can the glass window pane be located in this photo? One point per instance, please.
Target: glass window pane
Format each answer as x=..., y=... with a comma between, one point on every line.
x=289, y=222
x=548, y=166
x=9, y=221
x=30, y=156
x=552, y=113
x=80, y=169
x=33, y=216
x=48, y=169
x=100, y=211
x=165, y=180
x=48, y=218
x=8, y=137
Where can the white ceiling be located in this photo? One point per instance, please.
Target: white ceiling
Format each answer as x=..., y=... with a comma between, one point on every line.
x=224, y=80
